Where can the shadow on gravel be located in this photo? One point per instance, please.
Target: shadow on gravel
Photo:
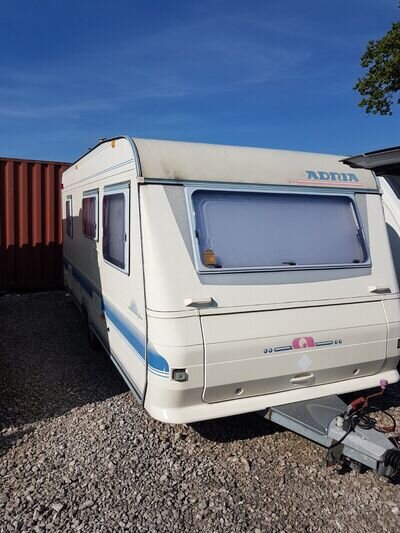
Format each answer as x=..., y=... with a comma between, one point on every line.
x=235, y=428
x=249, y=426
x=46, y=364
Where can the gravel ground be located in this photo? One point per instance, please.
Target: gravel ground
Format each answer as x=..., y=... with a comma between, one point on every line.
x=78, y=454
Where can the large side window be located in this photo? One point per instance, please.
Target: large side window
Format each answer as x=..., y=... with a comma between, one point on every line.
x=252, y=230
x=90, y=214
x=69, y=217
x=116, y=227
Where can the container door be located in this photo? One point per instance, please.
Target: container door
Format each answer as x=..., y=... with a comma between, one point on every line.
x=255, y=353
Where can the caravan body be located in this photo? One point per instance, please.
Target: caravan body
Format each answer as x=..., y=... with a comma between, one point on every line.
x=224, y=280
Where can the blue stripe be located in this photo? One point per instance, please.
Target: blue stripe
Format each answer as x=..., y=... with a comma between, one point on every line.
x=155, y=360
x=128, y=380
x=83, y=280
x=324, y=343
x=157, y=363
x=283, y=348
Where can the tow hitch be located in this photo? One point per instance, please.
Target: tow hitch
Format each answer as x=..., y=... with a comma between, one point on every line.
x=350, y=433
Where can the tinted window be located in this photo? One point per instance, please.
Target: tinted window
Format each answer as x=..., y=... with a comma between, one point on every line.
x=69, y=220
x=89, y=216
x=114, y=231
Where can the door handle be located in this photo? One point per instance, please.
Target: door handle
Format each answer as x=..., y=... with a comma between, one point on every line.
x=379, y=290
x=301, y=379
x=194, y=302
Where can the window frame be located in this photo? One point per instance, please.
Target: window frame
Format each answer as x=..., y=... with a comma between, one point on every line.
x=202, y=269
x=92, y=194
x=109, y=190
x=69, y=200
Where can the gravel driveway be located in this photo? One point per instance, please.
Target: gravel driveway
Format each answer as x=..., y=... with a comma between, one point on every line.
x=78, y=454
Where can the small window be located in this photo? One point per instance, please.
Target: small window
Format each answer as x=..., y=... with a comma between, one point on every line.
x=90, y=214
x=69, y=219
x=116, y=227
x=251, y=230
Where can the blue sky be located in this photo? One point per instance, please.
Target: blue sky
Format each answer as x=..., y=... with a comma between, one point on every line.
x=260, y=73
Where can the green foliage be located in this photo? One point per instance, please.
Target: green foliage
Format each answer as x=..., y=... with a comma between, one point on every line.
x=378, y=87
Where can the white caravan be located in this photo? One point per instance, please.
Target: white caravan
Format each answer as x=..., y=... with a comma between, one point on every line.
x=224, y=280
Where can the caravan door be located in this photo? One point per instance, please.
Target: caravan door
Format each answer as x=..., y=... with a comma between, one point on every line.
x=122, y=280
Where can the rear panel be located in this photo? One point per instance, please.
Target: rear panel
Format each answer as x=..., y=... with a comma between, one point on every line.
x=248, y=354
x=268, y=334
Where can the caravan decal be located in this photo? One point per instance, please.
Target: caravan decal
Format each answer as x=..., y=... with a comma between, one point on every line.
x=331, y=179
x=302, y=343
x=157, y=364
x=331, y=176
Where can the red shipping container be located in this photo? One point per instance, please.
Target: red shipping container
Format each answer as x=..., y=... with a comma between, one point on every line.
x=30, y=224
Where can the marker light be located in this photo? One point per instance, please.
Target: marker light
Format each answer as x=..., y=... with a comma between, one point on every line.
x=179, y=374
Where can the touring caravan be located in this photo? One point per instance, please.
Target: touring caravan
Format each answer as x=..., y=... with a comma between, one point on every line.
x=224, y=280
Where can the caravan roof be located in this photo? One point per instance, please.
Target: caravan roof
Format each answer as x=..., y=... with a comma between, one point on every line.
x=188, y=161
x=212, y=162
